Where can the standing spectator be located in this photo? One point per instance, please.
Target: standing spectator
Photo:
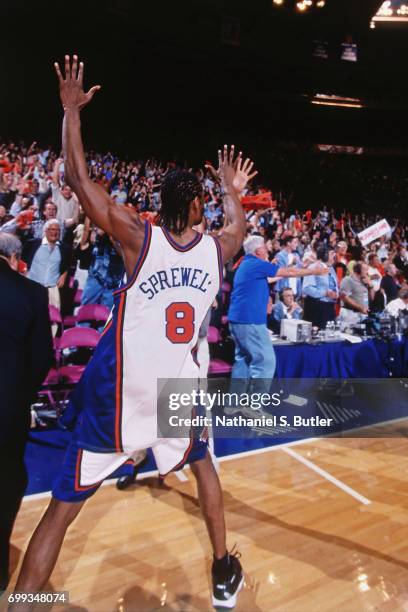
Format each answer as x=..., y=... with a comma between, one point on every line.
x=285, y=259
x=389, y=282
x=106, y=270
x=254, y=353
x=341, y=260
x=48, y=261
x=374, y=272
x=119, y=195
x=321, y=292
x=22, y=202
x=37, y=196
x=383, y=249
x=356, y=293
x=37, y=226
x=25, y=358
x=65, y=200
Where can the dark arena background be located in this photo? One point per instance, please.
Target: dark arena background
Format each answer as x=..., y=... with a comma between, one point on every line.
x=179, y=78
x=315, y=92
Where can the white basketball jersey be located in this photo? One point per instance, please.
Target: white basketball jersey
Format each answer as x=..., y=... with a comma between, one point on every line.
x=160, y=311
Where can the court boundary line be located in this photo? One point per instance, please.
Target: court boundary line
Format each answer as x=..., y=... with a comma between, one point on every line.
x=150, y=473
x=256, y=451
x=327, y=476
x=180, y=474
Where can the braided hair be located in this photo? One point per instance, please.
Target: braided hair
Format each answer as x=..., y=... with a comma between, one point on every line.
x=178, y=190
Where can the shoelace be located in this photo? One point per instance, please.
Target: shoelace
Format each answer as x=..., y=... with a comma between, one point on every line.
x=234, y=552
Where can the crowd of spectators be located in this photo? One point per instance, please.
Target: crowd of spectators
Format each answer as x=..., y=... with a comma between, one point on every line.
x=61, y=246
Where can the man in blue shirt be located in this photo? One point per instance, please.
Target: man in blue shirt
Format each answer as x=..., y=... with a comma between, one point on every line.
x=321, y=292
x=285, y=258
x=48, y=261
x=254, y=353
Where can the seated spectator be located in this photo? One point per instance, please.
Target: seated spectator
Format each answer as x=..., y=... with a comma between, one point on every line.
x=48, y=260
x=401, y=303
x=356, y=292
x=285, y=308
x=321, y=292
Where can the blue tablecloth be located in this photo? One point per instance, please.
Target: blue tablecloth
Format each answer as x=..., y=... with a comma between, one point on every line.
x=368, y=359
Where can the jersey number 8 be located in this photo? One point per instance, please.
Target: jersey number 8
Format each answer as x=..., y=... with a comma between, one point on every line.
x=180, y=322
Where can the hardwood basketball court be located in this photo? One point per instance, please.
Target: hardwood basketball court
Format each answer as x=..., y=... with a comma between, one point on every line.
x=321, y=525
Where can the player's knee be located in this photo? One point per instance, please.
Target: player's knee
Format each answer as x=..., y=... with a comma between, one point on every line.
x=63, y=513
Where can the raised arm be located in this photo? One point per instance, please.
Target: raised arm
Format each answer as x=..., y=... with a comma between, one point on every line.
x=232, y=174
x=55, y=173
x=114, y=220
x=301, y=272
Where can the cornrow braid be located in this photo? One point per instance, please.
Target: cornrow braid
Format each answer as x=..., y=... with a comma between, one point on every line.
x=178, y=190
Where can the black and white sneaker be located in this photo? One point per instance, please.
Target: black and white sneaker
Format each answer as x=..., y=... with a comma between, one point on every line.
x=227, y=583
x=123, y=482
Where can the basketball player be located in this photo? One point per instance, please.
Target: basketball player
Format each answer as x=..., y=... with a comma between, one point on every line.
x=173, y=275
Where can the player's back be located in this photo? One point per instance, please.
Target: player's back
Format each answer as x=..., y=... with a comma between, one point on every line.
x=151, y=335
x=165, y=302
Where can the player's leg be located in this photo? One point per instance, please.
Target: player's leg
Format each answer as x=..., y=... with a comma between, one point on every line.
x=240, y=374
x=80, y=477
x=227, y=577
x=263, y=360
x=242, y=355
x=131, y=469
x=211, y=503
x=45, y=545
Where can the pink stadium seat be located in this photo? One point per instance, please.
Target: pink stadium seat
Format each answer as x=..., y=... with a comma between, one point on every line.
x=217, y=366
x=213, y=335
x=78, y=297
x=224, y=320
x=55, y=318
x=76, y=337
x=69, y=321
x=79, y=336
x=52, y=378
x=50, y=389
x=95, y=314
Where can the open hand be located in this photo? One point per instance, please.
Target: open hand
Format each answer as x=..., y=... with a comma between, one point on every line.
x=243, y=173
x=231, y=171
x=71, y=88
